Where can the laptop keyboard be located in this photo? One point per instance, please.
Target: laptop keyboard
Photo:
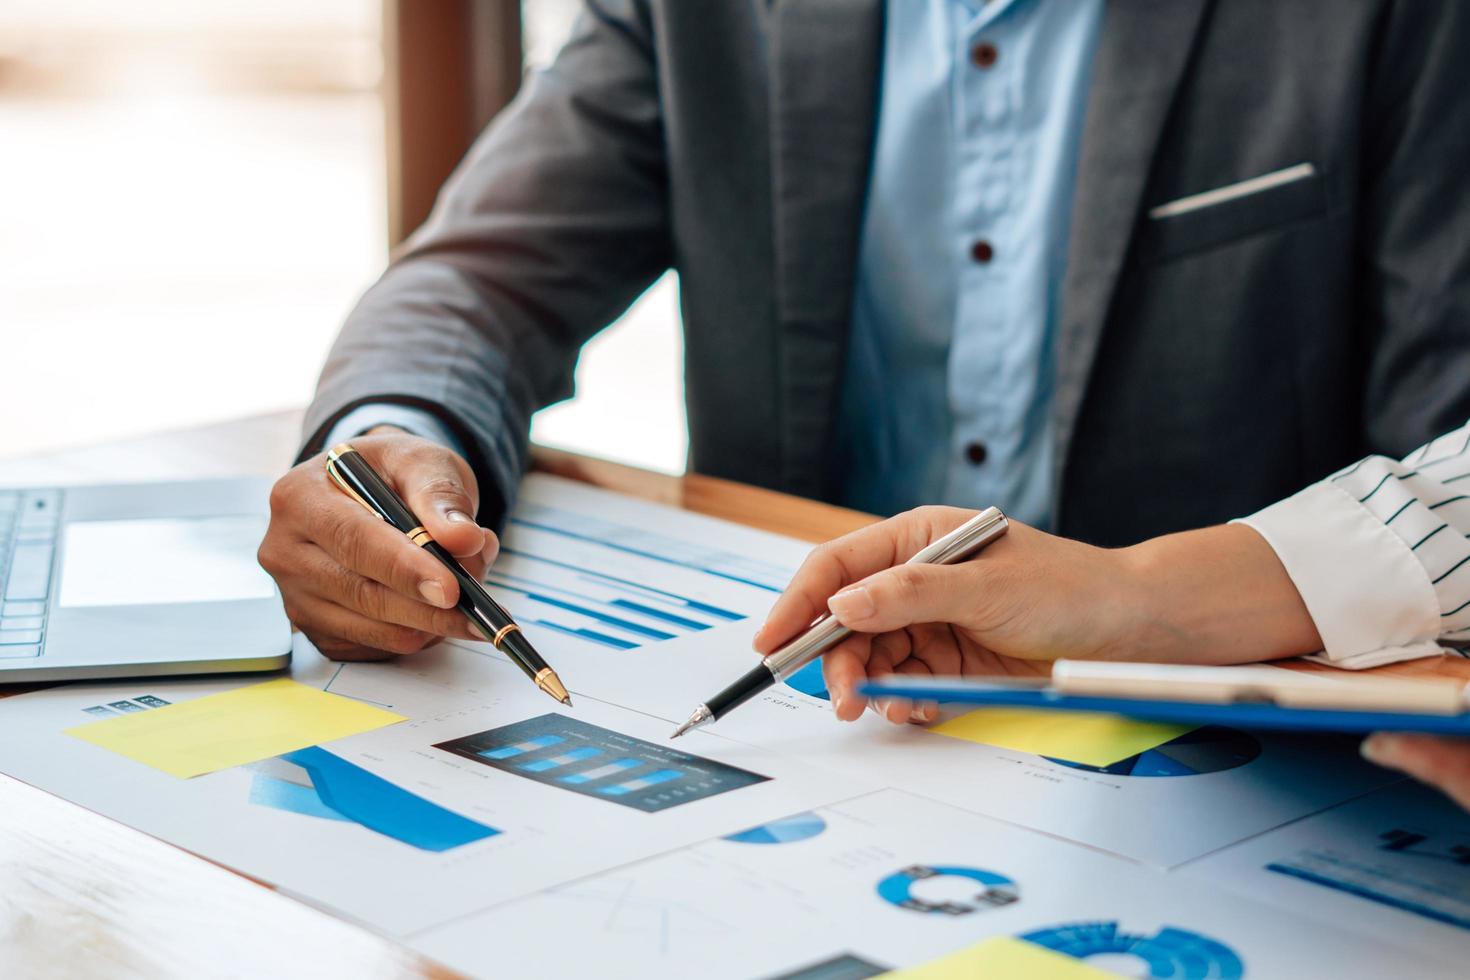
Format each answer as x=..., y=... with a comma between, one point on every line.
x=29, y=523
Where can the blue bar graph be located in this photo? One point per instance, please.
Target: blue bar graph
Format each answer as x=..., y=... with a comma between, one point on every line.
x=641, y=614
x=700, y=564
x=602, y=772
x=597, y=581
x=535, y=590
x=601, y=617
x=637, y=588
x=667, y=617
x=521, y=748
x=565, y=759
x=586, y=634
x=642, y=782
x=657, y=595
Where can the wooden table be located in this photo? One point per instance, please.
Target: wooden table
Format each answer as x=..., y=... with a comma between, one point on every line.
x=82, y=896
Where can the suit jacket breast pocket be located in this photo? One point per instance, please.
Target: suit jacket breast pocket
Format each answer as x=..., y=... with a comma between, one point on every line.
x=1233, y=212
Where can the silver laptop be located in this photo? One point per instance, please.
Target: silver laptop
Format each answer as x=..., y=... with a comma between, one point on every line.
x=137, y=580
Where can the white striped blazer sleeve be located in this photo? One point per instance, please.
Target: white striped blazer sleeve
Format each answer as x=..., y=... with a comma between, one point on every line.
x=1380, y=554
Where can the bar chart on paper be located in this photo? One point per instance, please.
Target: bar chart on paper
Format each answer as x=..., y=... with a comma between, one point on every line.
x=570, y=576
x=573, y=755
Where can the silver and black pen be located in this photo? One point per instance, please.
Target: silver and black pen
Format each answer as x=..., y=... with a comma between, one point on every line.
x=956, y=546
x=356, y=477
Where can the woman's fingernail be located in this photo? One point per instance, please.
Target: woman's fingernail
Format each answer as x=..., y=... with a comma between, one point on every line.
x=433, y=593
x=853, y=603
x=1380, y=749
x=458, y=517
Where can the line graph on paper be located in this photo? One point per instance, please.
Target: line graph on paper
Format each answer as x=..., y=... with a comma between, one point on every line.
x=626, y=908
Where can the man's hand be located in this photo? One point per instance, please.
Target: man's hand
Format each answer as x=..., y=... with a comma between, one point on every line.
x=355, y=585
x=1214, y=596
x=1441, y=762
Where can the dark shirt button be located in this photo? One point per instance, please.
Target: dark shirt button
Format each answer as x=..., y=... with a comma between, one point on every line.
x=976, y=452
x=985, y=55
x=982, y=252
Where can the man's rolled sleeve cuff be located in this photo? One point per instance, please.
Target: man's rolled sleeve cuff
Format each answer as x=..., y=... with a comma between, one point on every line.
x=1369, y=596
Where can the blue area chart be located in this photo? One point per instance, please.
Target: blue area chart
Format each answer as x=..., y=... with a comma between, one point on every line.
x=1173, y=953
x=1204, y=750
x=787, y=830
x=905, y=890
x=341, y=791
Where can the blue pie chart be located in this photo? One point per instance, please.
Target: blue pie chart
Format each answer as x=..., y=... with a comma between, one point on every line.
x=1174, y=953
x=808, y=680
x=1212, y=748
x=787, y=830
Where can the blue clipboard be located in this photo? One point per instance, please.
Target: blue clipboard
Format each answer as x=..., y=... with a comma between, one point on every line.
x=1236, y=715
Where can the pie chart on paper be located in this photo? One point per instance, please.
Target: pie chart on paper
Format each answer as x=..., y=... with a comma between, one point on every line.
x=808, y=680
x=787, y=830
x=1213, y=748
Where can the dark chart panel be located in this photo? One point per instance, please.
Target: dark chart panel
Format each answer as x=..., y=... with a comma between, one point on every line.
x=843, y=967
x=601, y=763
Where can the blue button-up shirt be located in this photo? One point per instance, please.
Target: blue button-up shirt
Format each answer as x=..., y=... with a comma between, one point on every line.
x=950, y=370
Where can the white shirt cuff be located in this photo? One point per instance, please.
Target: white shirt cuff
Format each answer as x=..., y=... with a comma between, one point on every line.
x=421, y=423
x=1369, y=596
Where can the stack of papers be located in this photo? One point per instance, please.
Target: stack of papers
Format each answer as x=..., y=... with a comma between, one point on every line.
x=443, y=800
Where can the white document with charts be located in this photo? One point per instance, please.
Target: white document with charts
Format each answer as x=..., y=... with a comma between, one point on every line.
x=491, y=824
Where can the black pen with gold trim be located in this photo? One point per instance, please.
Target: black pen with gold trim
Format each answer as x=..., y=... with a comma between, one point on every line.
x=350, y=471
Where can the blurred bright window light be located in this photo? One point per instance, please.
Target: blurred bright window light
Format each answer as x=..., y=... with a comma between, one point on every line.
x=194, y=198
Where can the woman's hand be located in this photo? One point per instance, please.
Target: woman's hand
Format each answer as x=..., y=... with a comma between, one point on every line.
x=1214, y=596
x=1441, y=762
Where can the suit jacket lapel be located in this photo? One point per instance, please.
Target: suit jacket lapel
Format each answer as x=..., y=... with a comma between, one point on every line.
x=825, y=61
x=1141, y=58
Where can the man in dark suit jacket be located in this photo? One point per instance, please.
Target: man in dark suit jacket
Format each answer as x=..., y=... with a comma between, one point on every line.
x=1266, y=272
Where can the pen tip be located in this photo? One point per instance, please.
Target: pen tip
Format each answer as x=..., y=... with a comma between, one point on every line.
x=552, y=685
x=700, y=717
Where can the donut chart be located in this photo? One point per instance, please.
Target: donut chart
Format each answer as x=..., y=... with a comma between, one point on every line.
x=1204, y=750
x=995, y=890
x=1174, y=953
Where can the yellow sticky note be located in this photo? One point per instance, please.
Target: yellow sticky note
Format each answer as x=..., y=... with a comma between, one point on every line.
x=1077, y=736
x=221, y=731
x=1003, y=958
